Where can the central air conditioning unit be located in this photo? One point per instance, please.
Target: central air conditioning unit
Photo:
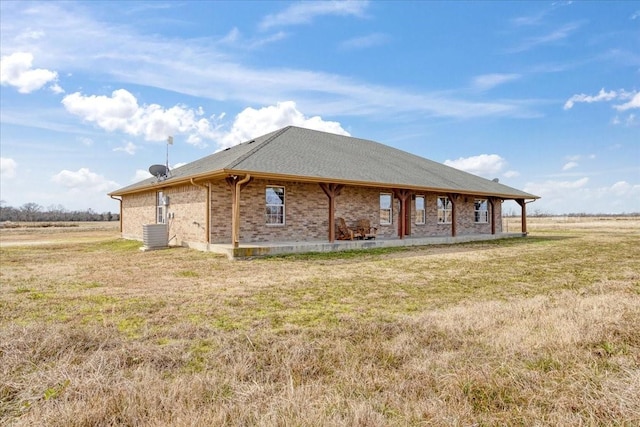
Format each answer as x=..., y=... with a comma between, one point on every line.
x=155, y=236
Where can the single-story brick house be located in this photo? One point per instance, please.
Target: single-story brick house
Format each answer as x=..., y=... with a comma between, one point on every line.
x=294, y=184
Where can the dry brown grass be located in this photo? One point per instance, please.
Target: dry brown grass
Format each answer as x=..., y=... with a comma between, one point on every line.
x=537, y=331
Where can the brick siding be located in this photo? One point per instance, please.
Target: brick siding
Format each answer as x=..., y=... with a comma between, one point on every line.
x=306, y=213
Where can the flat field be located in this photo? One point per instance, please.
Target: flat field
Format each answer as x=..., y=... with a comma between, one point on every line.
x=537, y=331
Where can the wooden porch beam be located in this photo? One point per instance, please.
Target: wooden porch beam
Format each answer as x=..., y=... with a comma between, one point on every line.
x=492, y=201
x=403, y=196
x=454, y=198
x=332, y=191
x=523, y=215
x=236, y=185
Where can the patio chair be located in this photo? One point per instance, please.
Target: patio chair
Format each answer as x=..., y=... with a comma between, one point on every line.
x=344, y=232
x=365, y=229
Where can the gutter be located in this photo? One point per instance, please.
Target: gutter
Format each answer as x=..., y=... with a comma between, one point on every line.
x=120, y=215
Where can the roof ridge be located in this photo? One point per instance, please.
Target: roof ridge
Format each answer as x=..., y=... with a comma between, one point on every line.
x=250, y=153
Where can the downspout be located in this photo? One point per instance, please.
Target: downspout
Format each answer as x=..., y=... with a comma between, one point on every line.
x=236, y=219
x=120, y=216
x=526, y=232
x=207, y=228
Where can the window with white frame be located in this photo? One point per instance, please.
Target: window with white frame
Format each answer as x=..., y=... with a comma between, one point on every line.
x=274, y=197
x=420, y=211
x=161, y=213
x=481, y=211
x=444, y=210
x=386, y=208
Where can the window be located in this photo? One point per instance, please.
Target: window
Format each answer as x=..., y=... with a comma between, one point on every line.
x=386, y=209
x=161, y=217
x=481, y=211
x=274, y=197
x=444, y=210
x=420, y=212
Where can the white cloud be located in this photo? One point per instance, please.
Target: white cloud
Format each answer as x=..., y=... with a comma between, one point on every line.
x=141, y=175
x=604, y=96
x=8, y=167
x=601, y=96
x=633, y=103
x=552, y=190
x=121, y=112
x=16, y=71
x=55, y=88
x=85, y=141
x=561, y=197
x=511, y=174
x=129, y=148
x=489, y=81
x=551, y=37
x=306, y=12
x=251, y=123
x=621, y=188
x=211, y=70
x=364, y=42
x=487, y=165
x=569, y=165
x=83, y=180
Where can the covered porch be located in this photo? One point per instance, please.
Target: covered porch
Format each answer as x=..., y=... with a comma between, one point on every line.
x=251, y=250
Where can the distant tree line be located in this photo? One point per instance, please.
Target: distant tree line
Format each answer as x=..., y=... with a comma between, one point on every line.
x=33, y=212
x=537, y=213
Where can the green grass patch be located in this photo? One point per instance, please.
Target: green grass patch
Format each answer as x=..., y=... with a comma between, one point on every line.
x=187, y=273
x=118, y=245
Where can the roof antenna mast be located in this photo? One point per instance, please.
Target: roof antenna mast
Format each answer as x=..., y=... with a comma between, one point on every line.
x=169, y=142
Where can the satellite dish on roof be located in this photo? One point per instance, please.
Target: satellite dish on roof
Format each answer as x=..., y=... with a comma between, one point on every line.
x=158, y=171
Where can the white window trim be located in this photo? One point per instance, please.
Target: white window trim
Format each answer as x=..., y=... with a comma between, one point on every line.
x=476, y=212
x=390, y=209
x=422, y=220
x=161, y=208
x=444, y=210
x=284, y=207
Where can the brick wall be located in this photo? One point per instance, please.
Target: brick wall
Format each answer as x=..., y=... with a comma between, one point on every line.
x=186, y=213
x=306, y=213
x=137, y=209
x=221, y=212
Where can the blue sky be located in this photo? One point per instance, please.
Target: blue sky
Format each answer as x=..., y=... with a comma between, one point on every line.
x=544, y=96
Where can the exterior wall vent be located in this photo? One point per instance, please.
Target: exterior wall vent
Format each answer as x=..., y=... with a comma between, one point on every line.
x=155, y=236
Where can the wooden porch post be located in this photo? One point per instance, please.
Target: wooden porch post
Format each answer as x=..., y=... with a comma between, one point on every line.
x=236, y=185
x=403, y=196
x=523, y=216
x=493, y=214
x=332, y=191
x=454, y=199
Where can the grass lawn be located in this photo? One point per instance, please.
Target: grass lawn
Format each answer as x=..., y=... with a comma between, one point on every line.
x=537, y=331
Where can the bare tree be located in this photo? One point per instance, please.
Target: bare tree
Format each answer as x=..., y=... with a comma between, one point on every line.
x=30, y=211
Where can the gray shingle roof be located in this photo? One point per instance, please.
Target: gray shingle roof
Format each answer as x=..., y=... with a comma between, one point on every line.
x=326, y=157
